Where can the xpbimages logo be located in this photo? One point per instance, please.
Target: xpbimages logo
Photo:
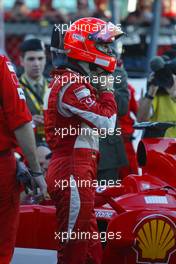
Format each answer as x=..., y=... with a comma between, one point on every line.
x=83, y=183
x=81, y=235
x=94, y=79
x=86, y=27
x=87, y=131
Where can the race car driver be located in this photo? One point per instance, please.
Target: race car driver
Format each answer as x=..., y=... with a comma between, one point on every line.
x=74, y=114
x=14, y=124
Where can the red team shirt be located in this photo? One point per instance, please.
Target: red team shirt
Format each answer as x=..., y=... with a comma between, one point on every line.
x=13, y=109
x=126, y=121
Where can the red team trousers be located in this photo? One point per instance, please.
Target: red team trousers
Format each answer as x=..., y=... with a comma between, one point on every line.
x=75, y=205
x=9, y=206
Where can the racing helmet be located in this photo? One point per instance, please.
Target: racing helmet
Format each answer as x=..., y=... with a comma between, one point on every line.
x=88, y=39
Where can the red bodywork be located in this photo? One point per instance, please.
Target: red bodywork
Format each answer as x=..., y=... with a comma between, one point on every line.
x=157, y=156
x=148, y=230
x=139, y=216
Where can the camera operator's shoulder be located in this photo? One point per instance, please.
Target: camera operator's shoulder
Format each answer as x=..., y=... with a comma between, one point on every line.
x=120, y=71
x=120, y=78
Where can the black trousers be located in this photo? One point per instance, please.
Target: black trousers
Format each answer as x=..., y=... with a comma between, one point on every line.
x=108, y=176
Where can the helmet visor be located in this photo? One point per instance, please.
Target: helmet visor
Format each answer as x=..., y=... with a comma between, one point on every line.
x=107, y=34
x=105, y=48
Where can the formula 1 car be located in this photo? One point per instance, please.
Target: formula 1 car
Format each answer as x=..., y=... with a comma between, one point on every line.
x=144, y=206
x=139, y=216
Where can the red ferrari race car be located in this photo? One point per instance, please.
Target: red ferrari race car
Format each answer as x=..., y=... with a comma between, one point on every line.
x=137, y=217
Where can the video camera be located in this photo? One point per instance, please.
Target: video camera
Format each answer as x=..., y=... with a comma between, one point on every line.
x=58, y=54
x=163, y=69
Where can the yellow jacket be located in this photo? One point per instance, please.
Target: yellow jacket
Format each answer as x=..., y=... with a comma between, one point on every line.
x=164, y=110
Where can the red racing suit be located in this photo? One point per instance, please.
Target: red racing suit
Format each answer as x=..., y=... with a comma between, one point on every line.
x=13, y=114
x=73, y=114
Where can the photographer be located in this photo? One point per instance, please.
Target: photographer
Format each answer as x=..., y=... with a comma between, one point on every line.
x=159, y=103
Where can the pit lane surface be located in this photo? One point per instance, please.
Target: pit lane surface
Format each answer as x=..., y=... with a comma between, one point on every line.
x=34, y=256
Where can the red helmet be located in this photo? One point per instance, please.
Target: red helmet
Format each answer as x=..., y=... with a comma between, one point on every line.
x=88, y=40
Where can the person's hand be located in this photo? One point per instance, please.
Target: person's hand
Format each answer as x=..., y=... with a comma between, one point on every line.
x=106, y=82
x=41, y=183
x=152, y=90
x=38, y=119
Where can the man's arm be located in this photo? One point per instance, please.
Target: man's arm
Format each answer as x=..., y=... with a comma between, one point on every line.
x=98, y=112
x=121, y=91
x=26, y=140
x=18, y=118
x=145, y=104
x=25, y=137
